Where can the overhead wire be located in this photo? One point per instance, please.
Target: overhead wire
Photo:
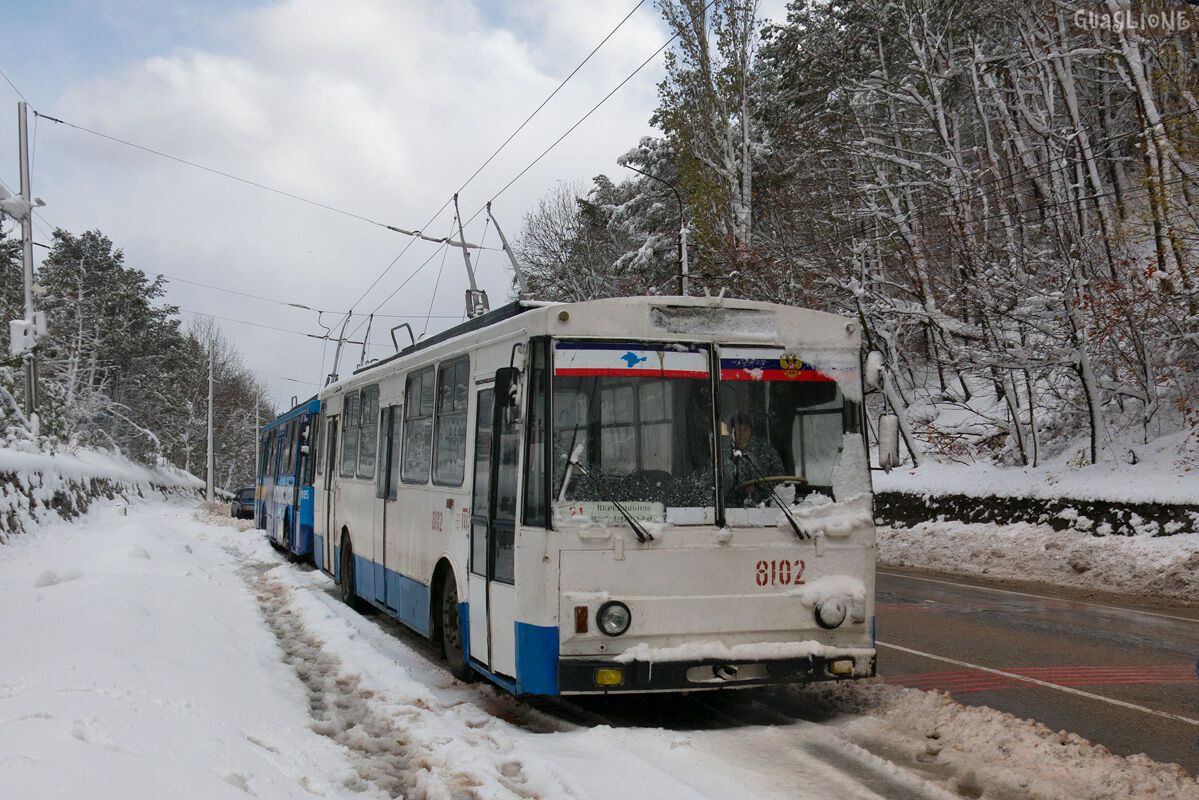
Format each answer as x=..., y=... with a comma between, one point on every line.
x=277, y=301
x=550, y=96
x=433, y=217
x=8, y=80
x=406, y=281
x=415, y=233
x=260, y=325
x=583, y=118
x=433, y=298
x=283, y=377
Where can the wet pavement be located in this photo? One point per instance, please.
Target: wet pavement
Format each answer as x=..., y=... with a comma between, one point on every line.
x=1119, y=674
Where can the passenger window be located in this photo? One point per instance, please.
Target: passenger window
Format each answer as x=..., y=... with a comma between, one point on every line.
x=286, y=465
x=393, y=472
x=368, y=438
x=418, y=427
x=318, y=452
x=309, y=437
x=449, y=448
x=535, y=473
x=349, y=437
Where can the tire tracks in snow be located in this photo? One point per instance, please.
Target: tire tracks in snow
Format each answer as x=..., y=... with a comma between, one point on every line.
x=390, y=751
x=340, y=708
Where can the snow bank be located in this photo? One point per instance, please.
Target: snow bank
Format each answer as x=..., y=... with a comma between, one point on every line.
x=1163, y=473
x=36, y=485
x=140, y=668
x=161, y=656
x=1165, y=567
x=981, y=752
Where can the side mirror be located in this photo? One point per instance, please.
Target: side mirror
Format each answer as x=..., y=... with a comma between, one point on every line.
x=888, y=441
x=507, y=392
x=872, y=375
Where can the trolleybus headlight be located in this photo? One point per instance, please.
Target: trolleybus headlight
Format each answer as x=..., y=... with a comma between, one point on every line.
x=831, y=613
x=614, y=618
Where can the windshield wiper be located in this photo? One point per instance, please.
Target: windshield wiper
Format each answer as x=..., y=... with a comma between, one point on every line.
x=643, y=535
x=737, y=453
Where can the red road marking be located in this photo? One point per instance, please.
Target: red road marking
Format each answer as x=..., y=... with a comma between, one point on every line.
x=964, y=681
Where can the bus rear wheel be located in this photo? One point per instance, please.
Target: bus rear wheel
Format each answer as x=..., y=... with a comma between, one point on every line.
x=452, y=643
x=287, y=543
x=348, y=595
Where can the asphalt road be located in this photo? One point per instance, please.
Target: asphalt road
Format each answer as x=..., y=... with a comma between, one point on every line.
x=1121, y=675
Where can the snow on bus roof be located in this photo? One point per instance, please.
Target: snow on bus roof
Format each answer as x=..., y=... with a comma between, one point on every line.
x=826, y=336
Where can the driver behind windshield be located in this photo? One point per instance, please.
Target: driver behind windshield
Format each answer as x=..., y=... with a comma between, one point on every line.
x=747, y=458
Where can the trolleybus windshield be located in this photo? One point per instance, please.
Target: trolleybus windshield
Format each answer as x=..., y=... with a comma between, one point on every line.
x=782, y=428
x=639, y=417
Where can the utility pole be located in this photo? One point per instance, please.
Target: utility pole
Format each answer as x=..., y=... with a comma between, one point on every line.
x=684, y=274
x=27, y=262
x=257, y=437
x=209, y=488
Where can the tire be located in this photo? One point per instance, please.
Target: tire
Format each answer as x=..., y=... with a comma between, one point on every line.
x=287, y=542
x=348, y=595
x=449, y=623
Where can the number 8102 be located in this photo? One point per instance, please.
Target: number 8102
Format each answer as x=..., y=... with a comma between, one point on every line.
x=780, y=573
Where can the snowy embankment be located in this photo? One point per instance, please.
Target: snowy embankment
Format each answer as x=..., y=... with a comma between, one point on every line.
x=160, y=655
x=37, y=485
x=1166, y=471
x=1054, y=524
x=1155, y=567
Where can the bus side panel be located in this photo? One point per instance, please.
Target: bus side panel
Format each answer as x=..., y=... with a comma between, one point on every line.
x=537, y=632
x=304, y=536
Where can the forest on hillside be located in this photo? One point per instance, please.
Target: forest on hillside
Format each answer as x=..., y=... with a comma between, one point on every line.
x=1003, y=193
x=118, y=371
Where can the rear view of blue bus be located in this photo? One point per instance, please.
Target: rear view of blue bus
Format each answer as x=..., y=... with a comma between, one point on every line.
x=284, y=488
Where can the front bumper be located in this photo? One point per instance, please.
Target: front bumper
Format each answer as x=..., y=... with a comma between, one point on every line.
x=579, y=675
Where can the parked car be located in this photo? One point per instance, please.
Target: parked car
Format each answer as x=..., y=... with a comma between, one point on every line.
x=243, y=504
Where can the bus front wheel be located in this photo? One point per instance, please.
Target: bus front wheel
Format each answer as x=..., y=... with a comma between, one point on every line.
x=451, y=631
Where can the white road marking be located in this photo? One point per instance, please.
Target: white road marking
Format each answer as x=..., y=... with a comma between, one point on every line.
x=1039, y=596
x=1045, y=684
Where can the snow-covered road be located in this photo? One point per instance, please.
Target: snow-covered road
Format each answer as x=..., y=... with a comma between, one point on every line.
x=151, y=652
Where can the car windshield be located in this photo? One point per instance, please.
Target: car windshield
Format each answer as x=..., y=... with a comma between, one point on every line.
x=636, y=420
x=246, y=494
x=782, y=428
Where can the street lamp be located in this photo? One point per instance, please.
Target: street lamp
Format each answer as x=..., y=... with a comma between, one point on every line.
x=682, y=237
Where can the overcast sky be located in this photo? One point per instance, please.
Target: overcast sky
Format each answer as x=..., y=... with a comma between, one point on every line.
x=379, y=107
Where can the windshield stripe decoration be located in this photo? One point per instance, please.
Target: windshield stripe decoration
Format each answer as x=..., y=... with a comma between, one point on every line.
x=629, y=359
x=750, y=365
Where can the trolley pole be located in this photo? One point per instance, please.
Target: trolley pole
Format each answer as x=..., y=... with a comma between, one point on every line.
x=209, y=488
x=27, y=261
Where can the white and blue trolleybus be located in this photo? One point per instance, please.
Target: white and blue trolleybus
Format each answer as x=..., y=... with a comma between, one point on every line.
x=623, y=495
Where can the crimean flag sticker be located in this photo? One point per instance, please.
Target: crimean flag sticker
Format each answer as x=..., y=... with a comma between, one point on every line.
x=629, y=359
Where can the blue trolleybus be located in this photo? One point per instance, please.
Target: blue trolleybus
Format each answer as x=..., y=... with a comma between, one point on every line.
x=285, y=466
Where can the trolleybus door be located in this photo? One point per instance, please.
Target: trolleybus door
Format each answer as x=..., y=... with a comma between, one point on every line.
x=385, y=493
x=301, y=470
x=331, y=468
x=493, y=533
